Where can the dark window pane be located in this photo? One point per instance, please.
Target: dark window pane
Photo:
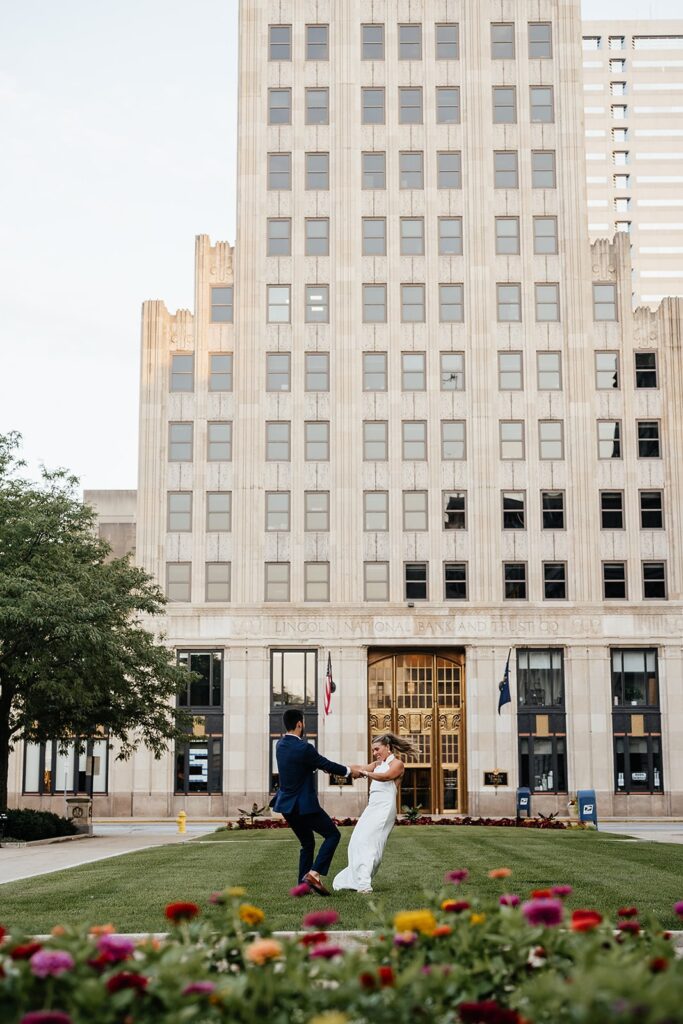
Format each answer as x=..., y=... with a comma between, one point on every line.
x=455, y=581
x=612, y=510
x=554, y=581
x=454, y=511
x=552, y=506
x=651, y=515
x=648, y=439
x=614, y=580
x=654, y=579
x=540, y=679
x=515, y=580
x=514, y=517
x=416, y=581
x=646, y=370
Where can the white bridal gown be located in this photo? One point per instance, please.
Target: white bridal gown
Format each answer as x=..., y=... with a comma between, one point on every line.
x=370, y=835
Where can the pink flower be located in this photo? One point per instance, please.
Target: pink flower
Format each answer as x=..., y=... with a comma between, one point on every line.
x=50, y=963
x=300, y=890
x=405, y=939
x=199, y=988
x=562, y=891
x=217, y=899
x=457, y=876
x=509, y=899
x=543, y=912
x=115, y=948
x=46, y=1017
x=678, y=908
x=320, y=919
x=327, y=951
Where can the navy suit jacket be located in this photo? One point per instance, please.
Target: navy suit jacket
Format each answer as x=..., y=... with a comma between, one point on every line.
x=297, y=760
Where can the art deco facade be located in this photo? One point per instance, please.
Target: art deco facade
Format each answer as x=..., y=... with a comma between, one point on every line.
x=411, y=424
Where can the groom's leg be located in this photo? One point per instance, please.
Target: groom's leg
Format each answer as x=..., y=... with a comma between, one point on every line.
x=300, y=825
x=325, y=827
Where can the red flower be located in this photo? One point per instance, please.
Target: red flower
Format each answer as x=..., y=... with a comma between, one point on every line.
x=632, y=927
x=585, y=920
x=313, y=938
x=127, y=979
x=367, y=980
x=627, y=912
x=487, y=1012
x=320, y=919
x=46, y=1017
x=181, y=911
x=455, y=906
x=386, y=976
x=26, y=951
x=442, y=930
x=327, y=951
x=658, y=964
x=3, y=933
x=542, y=894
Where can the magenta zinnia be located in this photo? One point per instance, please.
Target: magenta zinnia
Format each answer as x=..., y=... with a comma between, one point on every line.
x=50, y=963
x=547, y=912
x=320, y=919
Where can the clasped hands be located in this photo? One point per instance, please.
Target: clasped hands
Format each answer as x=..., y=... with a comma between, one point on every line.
x=359, y=771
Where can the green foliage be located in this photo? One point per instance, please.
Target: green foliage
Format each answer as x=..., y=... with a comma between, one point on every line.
x=412, y=813
x=29, y=825
x=76, y=655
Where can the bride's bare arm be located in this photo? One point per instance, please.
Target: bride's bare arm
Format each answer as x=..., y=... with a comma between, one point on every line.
x=396, y=769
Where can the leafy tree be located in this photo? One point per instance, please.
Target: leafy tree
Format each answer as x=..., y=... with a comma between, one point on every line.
x=75, y=654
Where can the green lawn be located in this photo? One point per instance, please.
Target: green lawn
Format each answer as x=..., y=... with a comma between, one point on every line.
x=131, y=891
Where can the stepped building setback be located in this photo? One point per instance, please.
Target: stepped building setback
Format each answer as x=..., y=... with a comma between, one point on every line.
x=413, y=423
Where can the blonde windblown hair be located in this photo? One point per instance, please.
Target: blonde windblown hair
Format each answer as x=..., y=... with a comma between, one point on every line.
x=396, y=744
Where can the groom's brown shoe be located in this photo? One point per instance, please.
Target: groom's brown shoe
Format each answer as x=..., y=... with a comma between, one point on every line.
x=315, y=884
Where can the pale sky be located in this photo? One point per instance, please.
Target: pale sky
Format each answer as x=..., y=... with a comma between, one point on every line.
x=118, y=129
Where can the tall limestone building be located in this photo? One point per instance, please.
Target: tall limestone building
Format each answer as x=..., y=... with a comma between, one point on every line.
x=413, y=425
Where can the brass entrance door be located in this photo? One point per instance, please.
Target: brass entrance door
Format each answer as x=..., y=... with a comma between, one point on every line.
x=421, y=696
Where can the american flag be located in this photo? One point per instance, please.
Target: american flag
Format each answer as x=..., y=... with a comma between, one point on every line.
x=329, y=685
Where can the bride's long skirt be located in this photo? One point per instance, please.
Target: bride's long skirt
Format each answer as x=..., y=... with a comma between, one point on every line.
x=369, y=838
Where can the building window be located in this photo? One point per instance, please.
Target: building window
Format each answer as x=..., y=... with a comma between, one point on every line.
x=450, y=236
x=317, y=511
x=614, y=581
x=277, y=371
x=606, y=371
x=317, y=172
x=279, y=106
x=542, y=736
x=316, y=581
x=414, y=433
x=540, y=39
x=510, y=371
x=449, y=170
x=505, y=169
x=317, y=106
x=549, y=366
x=547, y=303
x=412, y=236
x=372, y=42
x=374, y=303
x=317, y=371
x=317, y=236
x=555, y=581
x=514, y=510
x=551, y=439
x=217, y=581
x=279, y=171
x=277, y=442
x=609, y=439
x=279, y=42
x=178, y=581
x=374, y=170
x=545, y=236
x=612, y=510
x=453, y=445
x=509, y=303
x=604, y=302
x=317, y=304
x=514, y=581
x=504, y=104
x=638, y=762
x=451, y=308
x=277, y=511
x=411, y=170
x=372, y=103
x=543, y=762
x=646, y=369
x=52, y=768
x=552, y=510
x=543, y=169
x=415, y=581
x=375, y=443
x=415, y=510
x=180, y=442
x=452, y=371
x=277, y=581
x=651, y=511
x=455, y=581
x=374, y=371
x=542, y=104
x=413, y=371
x=618, y=43
x=317, y=441
x=279, y=304
x=648, y=439
x=447, y=42
x=182, y=373
x=374, y=236
x=199, y=766
x=317, y=42
x=447, y=106
x=222, y=305
x=635, y=678
x=503, y=41
x=376, y=577
x=654, y=581
x=376, y=511
x=409, y=106
x=540, y=678
x=507, y=236
x=220, y=372
x=410, y=42
x=454, y=510
x=179, y=512
x=279, y=237
x=412, y=303
x=511, y=439
x=219, y=442
x=218, y=511
x=293, y=675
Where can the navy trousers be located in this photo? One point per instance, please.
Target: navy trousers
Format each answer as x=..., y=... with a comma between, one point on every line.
x=305, y=827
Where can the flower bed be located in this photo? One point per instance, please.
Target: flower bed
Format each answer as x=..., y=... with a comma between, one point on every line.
x=423, y=819
x=524, y=958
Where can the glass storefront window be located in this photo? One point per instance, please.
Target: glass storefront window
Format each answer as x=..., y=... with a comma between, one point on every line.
x=294, y=678
x=540, y=678
x=198, y=766
x=634, y=678
x=51, y=768
x=206, y=690
x=638, y=764
x=543, y=763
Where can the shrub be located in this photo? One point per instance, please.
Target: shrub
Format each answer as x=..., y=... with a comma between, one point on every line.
x=29, y=825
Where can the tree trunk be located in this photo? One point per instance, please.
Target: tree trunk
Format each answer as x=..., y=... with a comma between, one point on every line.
x=5, y=736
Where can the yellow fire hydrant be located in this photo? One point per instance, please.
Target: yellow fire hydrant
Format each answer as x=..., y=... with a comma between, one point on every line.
x=181, y=819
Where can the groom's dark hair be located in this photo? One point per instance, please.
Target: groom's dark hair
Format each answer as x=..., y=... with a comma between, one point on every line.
x=291, y=717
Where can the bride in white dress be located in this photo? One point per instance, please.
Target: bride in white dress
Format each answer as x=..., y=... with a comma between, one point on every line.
x=377, y=820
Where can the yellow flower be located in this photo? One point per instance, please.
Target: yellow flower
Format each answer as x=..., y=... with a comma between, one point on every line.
x=415, y=921
x=263, y=950
x=251, y=915
x=236, y=891
x=331, y=1017
x=477, y=918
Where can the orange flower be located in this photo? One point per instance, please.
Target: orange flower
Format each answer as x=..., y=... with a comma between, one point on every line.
x=251, y=915
x=102, y=929
x=477, y=918
x=585, y=920
x=58, y=929
x=500, y=873
x=263, y=950
x=442, y=930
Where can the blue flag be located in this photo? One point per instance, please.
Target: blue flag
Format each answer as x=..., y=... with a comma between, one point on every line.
x=504, y=685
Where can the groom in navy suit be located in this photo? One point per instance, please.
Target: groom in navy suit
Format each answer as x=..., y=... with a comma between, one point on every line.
x=297, y=800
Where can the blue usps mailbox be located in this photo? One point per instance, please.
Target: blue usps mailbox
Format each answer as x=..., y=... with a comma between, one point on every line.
x=588, y=808
x=523, y=801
